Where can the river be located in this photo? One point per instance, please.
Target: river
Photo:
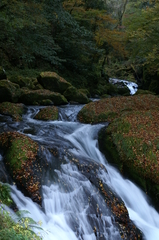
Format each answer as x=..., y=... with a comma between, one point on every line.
x=69, y=199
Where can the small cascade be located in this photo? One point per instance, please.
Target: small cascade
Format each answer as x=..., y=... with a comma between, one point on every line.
x=131, y=85
x=69, y=112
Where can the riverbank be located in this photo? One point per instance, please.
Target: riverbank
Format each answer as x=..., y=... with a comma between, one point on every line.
x=131, y=141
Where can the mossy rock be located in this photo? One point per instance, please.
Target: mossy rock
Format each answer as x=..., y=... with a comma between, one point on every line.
x=85, y=91
x=124, y=91
x=73, y=94
x=14, y=110
x=23, y=81
x=46, y=102
x=132, y=143
x=2, y=73
x=108, y=88
x=106, y=110
x=9, y=91
x=105, y=96
x=95, y=112
x=53, y=82
x=22, y=158
x=37, y=97
x=48, y=113
x=107, y=147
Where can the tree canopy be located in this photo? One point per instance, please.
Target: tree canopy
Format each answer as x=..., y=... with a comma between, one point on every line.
x=82, y=37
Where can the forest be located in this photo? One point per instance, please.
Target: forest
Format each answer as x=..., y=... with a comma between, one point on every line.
x=85, y=41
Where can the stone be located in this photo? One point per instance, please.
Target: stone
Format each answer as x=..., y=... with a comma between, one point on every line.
x=47, y=113
x=53, y=82
x=37, y=97
x=9, y=91
x=73, y=94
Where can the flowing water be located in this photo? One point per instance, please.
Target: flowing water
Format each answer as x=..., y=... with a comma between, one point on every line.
x=131, y=85
x=70, y=201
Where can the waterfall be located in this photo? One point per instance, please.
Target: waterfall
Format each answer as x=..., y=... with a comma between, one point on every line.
x=131, y=85
x=72, y=205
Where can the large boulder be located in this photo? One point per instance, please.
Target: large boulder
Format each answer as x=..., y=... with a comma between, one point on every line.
x=48, y=113
x=106, y=110
x=2, y=73
x=9, y=91
x=131, y=144
x=23, y=161
x=53, y=82
x=24, y=81
x=14, y=110
x=38, y=97
x=73, y=94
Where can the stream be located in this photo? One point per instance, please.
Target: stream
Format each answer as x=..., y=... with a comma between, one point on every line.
x=70, y=200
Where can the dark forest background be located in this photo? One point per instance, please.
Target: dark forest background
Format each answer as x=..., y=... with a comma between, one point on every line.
x=85, y=41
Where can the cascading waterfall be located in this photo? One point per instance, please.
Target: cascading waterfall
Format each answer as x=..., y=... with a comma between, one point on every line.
x=70, y=201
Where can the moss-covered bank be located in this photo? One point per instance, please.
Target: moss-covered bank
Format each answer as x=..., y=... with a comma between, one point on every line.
x=131, y=141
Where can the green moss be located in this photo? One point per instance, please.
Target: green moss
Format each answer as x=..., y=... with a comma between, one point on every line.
x=9, y=91
x=18, y=152
x=36, y=97
x=23, y=81
x=108, y=148
x=85, y=91
x=73, y=94
x=87, y=115
x=14, y=110
x=53, y=82
x=49, y=113
x=18, y=149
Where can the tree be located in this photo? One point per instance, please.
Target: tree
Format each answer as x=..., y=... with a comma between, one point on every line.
x=143, y=37
x=25, y=34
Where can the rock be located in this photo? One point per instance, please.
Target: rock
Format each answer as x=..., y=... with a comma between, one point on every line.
x=23, y=81
x=130, y=143
x=37, y=97
x=13, y=110
x=73, y=94
x=85, y=91
x=124, y=91
x=9, y=91
x=24, y=162
x=53, y=82
x=2, y=73
x=108, y=109
x=48, y=113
